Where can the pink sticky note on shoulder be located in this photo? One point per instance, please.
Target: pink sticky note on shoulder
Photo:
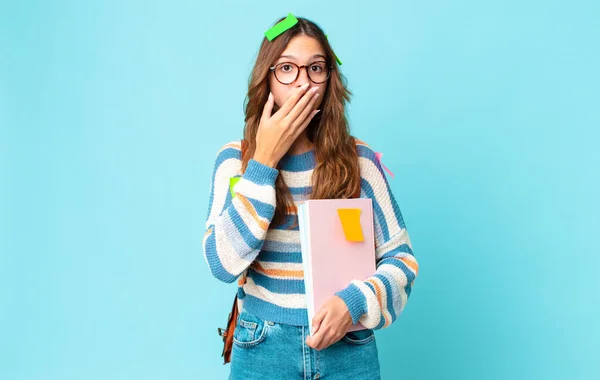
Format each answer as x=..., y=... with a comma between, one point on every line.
x=379, y=155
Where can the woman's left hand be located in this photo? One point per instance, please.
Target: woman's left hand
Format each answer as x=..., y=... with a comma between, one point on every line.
x=330, y=324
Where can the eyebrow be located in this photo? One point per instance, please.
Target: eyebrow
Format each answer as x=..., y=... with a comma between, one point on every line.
x=313, y=57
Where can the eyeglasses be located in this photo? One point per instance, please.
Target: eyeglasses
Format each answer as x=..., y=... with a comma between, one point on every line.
x=287, y=72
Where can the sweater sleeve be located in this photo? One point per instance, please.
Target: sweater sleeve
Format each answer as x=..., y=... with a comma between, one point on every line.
x=236, y=227
x=379, y=300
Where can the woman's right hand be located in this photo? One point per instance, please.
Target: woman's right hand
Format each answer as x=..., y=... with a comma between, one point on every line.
x=276, y=133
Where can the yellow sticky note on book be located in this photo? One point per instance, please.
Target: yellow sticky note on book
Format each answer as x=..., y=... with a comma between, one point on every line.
x=232, y=182
x=350, y=218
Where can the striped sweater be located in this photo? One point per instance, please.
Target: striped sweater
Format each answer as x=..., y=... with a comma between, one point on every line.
x=239, y=243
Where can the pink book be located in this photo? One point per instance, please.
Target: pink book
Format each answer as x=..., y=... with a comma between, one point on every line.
x=337, y=247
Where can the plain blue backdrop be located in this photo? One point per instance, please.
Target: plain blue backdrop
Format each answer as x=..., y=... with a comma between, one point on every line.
x=112, y=113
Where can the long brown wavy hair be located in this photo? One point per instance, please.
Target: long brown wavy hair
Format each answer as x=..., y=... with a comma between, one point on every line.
x=337, y=174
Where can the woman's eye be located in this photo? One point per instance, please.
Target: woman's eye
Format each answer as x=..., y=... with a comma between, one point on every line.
x=286, y=67
x=316, y=68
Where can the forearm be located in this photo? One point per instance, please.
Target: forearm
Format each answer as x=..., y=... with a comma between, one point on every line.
x=234, y=238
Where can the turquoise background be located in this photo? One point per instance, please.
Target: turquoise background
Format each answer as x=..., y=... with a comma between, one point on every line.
x=111, y=116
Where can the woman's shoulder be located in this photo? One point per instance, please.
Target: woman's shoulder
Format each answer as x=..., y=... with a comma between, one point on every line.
x=364, y=150
x=229, y=157
x=368, y=161
x=232, y=149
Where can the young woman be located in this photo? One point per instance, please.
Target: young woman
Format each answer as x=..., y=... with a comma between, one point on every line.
x=297, y=146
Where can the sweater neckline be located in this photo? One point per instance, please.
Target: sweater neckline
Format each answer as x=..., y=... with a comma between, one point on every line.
x=298, y=162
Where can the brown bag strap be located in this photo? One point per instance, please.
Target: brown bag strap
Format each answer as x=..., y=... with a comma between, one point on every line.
x=227, y=334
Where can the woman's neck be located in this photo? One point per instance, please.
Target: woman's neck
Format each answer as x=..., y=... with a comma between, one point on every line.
x=301, y=145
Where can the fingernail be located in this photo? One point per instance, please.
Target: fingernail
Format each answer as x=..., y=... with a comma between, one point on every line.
x=305, y=86
x=317, y=112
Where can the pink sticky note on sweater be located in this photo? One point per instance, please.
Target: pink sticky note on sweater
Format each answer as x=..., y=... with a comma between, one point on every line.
x=330, y=261
x=379, y=155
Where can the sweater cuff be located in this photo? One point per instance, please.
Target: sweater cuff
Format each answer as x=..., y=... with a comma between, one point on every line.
x=355, y=301
x=260, y=174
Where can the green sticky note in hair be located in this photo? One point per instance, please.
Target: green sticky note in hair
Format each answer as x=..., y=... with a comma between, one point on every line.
x=281, y=27
x=336, y=57
x=232, y=182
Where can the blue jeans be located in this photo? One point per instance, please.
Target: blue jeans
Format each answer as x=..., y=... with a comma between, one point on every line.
x=267, y=350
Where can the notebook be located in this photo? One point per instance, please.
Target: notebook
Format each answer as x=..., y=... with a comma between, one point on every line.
x=338, y=246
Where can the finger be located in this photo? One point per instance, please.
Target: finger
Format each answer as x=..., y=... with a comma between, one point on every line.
x=317, y=319
x=303, y=104
x=291, y=101
x=306, y=112
x=326, y=342
x=333, y=338
x=316, y=339
x=308, y=341
x=266, y=115
x=324, y=335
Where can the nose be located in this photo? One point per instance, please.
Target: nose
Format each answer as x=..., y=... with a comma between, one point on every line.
x=302, y=78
